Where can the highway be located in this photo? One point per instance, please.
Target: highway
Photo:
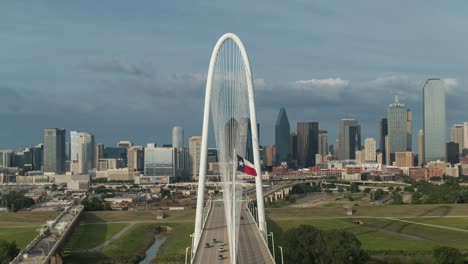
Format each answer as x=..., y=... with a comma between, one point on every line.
x=252, y=250
x=215, y=228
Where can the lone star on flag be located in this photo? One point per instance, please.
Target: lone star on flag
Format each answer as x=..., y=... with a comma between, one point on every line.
x=245, y=166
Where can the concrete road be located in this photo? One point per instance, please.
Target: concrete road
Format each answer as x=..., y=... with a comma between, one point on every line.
x=252, y=250
x=215, y=228
x=251, y=247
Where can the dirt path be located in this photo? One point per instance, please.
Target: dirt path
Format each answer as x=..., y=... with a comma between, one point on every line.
x=110, y=240
x=431, y=225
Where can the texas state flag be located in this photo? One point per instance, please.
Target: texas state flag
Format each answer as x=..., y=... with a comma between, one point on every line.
x=245, y=166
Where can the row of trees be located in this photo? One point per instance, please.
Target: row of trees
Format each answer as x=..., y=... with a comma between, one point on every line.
x=95, y=204
x=14, y=201
x=449, y=192
x=8, y=251
x=306, y=244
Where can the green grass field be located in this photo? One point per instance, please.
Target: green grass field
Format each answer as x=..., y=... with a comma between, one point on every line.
x=22, y=227
x=129, y=248
x=90, y=236
x=187, y=215
x=173, y=250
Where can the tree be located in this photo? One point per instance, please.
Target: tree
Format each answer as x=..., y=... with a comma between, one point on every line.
x=8, y=251
x=448, y=255
x=16, y=200
x=53, y=188
x=354, y=188
x=390, y=188
x=397, y=198
x=342, y=247
x=408, y=189
x=378, y=194
x=303, y=245
x=367, y=190
x=306, y=244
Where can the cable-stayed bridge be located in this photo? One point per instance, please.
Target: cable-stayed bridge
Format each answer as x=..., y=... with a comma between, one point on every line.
x=225, y=231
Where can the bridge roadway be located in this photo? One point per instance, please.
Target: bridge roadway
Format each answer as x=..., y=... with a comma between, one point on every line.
x=251, y=247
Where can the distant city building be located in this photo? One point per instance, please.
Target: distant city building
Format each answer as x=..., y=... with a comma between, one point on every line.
x=397, y=128
x=379, y=158
x=459, y=134
x=409, y=130
x=282, y=131
x=54, y=150
x=359, y=156
x=307, y=143
x=124, y=144
x=160, y=161
x=453, y=154
x=421, y=148
x=135, y=159
x=178, y=137
x=98, y=154
x=6, y=157
x=434, y=120
x=107, y=164
x=323, y=143
x=293, y=147
x=120, y=154
x=194, y=150
x=404, y=159
x=370, y=149
x=387, y=151
x=269, y=156
x=383, y=132
x=349, y=139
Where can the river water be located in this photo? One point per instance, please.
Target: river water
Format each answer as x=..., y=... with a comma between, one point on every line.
x=152, y=251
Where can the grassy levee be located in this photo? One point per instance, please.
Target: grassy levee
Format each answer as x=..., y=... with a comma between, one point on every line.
x=129, y=248
x=138, y=216
x=22, y=227
x=98, y=227
x=424, y=210
x=173, y=249
x=383, y=238
x=89, y=236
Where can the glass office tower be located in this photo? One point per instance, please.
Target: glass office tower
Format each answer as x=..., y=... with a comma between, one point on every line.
x=434, y=120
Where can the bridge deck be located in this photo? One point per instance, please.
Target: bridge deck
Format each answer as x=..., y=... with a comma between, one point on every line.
x=251, y=247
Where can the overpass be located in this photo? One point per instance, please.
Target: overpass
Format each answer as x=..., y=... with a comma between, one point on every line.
x=47, y=247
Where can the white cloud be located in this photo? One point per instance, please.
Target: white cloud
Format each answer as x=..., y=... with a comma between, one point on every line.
x=330, y=82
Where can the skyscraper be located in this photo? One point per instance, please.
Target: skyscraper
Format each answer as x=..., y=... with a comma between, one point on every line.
x=434, y=120
x=293, y=148
x=409, y=130
x=282, y=131
x=98, y=154
x=420, y=148
x=54, y=150
x=453, y=156
x=397, y=128
x=194, y=151
x=82, y=151
x=135, y=158
x=178, y=137
x=124, y=144
x=349, y=138
x=307, y=143
x=323, y=143
x=383, y=129
x=370, y=149
x=86, y=153
x=459, y=135
x=160, y=161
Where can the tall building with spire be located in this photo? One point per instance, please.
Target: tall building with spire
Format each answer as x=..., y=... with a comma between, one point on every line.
x=434, y=120
x=282, y=131
x=397, y=128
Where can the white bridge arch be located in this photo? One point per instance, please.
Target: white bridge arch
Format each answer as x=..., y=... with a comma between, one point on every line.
x=244, y=63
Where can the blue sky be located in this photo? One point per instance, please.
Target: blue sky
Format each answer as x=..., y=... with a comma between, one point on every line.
x=134, y=69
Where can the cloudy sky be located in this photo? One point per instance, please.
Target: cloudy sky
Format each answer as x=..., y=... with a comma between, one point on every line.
x=134, y=69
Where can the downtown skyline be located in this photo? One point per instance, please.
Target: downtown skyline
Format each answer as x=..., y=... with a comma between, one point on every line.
x=119, y=77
